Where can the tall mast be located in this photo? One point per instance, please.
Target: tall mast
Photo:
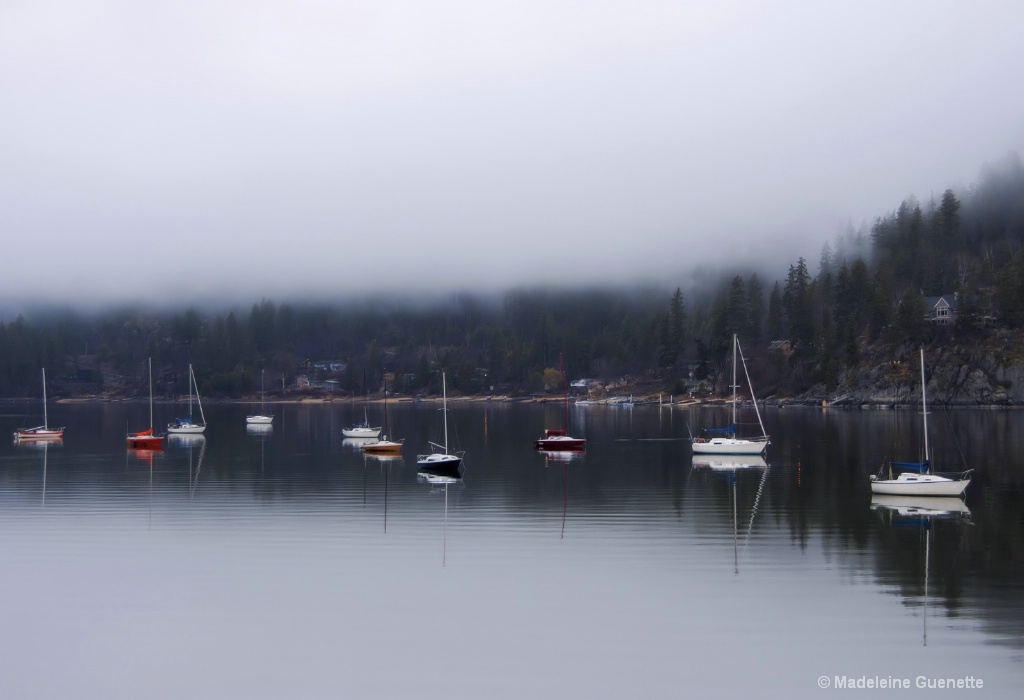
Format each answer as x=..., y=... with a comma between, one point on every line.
x=444, y=405
x=45, y=420
x=150, y=393
x=734, y=382
x=565, y=391
x=924, y=412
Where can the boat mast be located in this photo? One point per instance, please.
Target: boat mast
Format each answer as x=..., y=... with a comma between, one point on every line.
x=385, y=407
x=46, y=425
x=924, y=412
x=735, y=342
x=444, y=408
x=150, y=393
x=565, y=392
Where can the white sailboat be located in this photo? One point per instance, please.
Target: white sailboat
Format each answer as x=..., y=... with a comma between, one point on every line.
x=186, y=426
x=40, y=432
x=261, y=418
x=439, y=457
x=917, y=478
x=364, y=429
x=724, y=441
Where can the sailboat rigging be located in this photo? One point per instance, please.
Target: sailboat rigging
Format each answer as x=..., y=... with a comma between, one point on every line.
x=439, y=457
x=384, y=446
x=364, y=430
x=261, y=418
x=186, y=426
x=40, y=432
x=724, y=440
x=146, y=440
x=917, y=478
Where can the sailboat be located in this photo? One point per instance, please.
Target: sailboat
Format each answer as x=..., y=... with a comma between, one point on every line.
x=916, y=478
x=362, y=430
x=186, y=426
x=384, y=446
x=261, y=418
x=441, y=460
x=723, y=441
x=558, y=439
x=146, y=440
x=40, y=432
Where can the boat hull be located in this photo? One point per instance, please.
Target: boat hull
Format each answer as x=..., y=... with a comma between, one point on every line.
x=361, y=432
x=145, y=442
x=38, y=435
x=438, y=461
x=923, y=485
x=729, y=446
x=382, y=447
x=259, y=420
x=566, y=444
x=185, y=429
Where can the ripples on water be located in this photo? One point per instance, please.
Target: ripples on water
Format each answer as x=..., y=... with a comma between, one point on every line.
x=284, y=563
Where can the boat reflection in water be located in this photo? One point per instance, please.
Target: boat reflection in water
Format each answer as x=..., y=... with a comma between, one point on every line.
x=259, y=429
x=563, y=458
x=356, y=444
x=921, y=512
x=385, y=462
x=727, y=466
x=185, y=439
x=440, y=479
x=190, y=441
x=44, y=447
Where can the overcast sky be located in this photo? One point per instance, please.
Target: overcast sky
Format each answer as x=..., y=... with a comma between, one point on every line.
x=247, y=148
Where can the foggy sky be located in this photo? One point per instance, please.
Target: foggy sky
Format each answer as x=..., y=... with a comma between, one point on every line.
x=246, y=149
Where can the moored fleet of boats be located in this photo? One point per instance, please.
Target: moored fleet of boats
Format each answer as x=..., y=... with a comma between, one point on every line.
x=711, y=448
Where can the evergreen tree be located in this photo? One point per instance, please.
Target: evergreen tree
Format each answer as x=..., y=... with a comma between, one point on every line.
x=738, y=313
x=755, y=304
x=776, y=328
x=676, y=323
x=797, y=303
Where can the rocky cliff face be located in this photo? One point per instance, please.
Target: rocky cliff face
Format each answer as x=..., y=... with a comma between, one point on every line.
x=986, y=373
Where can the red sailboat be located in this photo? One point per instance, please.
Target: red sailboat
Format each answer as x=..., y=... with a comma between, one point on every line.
x=558, y=439
x=146, y=440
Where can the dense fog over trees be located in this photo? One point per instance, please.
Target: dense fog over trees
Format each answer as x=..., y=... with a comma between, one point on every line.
x=867, y=290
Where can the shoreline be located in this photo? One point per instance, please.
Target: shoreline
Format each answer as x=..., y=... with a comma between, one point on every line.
x=643, y=402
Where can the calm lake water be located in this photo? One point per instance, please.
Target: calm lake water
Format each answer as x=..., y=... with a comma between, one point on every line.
x=285, y=564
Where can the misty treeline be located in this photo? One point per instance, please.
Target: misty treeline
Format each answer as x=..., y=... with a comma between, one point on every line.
x=864, y=297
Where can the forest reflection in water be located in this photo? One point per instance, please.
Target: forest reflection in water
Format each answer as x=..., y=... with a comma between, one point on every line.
x=288, y=545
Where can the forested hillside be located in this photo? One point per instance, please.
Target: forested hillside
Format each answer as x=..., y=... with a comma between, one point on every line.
x=863, y=300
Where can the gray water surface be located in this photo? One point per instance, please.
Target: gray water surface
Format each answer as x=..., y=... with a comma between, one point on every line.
x=285, y=564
